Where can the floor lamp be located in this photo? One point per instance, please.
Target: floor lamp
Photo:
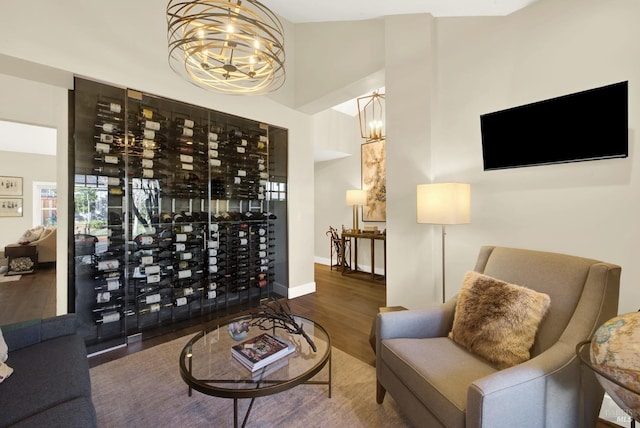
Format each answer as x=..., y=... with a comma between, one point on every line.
x=444, y=203
x=356, y=198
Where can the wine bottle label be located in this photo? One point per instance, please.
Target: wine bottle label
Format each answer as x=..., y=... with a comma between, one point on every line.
x=262, y=182
x=111, y=317
x=180, y=247
x=243, y=142
x=215, y=162
x=261, y=145
x=147, y=173
x=263, y=239
x=213, y=260
x=213, y=252
x=213, y=145
x=186, y=158
x=237, y=180
x=244, y=241
x=213, y=137
x=242, y=233
x=261, y=231
x=146, y=260
x=261, y=167
x=103, y=297
x=264, y=175
x=113, y=284
x=213, y=268
x=214, y=227
x=242, y=173
x=213, y=153
x=153, y=279
x=184, y=274
x=102, y=148
x=106, y=138
x=181, y=301
x=148, y=114
x=146, y=240
x=188, y=291
x=148, y=144
x=264, y=261
x=181, y=237
x=152, y=270
x=186, y=256
x=148, y=154
x=108, y=265
x=111, y=159
x=262, y=254
x=262, y=247
x=108, y=127
x=211, y=294
x=154, y=307
x=263, y=138
x=149, y=134
x=115, y=108
x=187, y=166
x=154, y=126
x=147, y=163
x=187, y=132
x=240, y=149
x=213, y=244
x=152, y=298
x=187, y=228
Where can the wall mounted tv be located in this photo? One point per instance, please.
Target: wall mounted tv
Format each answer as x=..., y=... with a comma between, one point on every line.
x=582, y=126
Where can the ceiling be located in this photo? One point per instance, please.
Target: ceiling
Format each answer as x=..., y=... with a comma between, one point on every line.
x=301, y=11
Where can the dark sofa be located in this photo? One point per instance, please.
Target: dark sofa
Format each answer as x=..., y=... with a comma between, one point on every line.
x=50, y=385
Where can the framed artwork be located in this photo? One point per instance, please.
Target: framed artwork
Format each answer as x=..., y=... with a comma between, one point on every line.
x=10, y=186
x=10, y=207
x=374, y=180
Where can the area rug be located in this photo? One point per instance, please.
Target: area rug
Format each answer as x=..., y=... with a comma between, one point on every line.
x=145, y=390
x=9, y=278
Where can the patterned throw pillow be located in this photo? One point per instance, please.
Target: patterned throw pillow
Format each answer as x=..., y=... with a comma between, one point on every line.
x=496, y=320
x=31, y=235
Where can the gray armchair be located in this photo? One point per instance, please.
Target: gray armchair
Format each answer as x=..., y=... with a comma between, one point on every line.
x=438, y=383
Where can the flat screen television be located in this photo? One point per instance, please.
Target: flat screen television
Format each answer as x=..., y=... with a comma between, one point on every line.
x=586, y=125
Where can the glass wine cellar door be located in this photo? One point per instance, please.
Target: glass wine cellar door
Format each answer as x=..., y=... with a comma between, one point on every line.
x=179, y=213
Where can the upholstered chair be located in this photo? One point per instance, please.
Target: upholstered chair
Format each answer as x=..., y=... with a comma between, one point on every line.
x=438, y=382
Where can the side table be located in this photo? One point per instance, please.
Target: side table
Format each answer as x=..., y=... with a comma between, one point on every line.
x=13, y=252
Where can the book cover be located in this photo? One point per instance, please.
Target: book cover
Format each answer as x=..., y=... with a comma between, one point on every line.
x=261, y=350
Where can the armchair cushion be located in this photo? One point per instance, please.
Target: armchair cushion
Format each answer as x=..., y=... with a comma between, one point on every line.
x=496, y=320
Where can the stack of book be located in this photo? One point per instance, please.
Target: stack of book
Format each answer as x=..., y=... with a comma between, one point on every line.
x=260, y=351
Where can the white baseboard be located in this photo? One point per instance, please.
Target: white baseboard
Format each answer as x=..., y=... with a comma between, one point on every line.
x=301, y=290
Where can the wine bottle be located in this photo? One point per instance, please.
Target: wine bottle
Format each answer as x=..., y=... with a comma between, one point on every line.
x=109, y=107
x=108, y=317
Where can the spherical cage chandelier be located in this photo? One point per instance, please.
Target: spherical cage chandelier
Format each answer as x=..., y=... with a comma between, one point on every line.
x=230, y=46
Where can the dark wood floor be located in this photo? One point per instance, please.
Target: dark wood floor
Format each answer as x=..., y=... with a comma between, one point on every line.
x=32, y=296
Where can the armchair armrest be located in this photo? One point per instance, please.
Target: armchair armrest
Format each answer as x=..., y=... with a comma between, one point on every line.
x=508, y=397
x=417, y=323
x=26, y=333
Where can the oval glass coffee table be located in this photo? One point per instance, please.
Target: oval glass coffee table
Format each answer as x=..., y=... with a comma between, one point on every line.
x=206, y=364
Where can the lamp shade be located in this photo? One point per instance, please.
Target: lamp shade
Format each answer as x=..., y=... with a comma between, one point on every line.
x=444, y=203
x=356, y=197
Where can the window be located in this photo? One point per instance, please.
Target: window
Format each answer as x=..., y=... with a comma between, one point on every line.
x=45, y=211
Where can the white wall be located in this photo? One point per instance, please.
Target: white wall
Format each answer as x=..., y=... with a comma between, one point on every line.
x=31, y=167
x=549, y=49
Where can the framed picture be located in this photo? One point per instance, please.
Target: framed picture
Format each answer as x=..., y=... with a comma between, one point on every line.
x=10, y=207
x=374, y=181
x=10, y=186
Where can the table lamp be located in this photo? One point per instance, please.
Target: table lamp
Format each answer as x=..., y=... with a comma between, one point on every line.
x=444, y=203
x=356, y=198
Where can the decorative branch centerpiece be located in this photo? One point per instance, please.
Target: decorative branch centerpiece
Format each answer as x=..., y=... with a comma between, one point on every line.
x=275, y=314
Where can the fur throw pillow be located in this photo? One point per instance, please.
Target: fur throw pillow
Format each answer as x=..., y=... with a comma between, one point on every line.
x=496, y=320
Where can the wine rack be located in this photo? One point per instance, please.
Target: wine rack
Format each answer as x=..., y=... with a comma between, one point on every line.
x=177, y=210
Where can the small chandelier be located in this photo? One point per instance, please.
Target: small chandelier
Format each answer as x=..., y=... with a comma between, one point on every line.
x=371, y=116
x=230, y=46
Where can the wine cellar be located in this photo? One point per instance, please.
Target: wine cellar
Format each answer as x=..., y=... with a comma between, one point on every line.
x=179, y=213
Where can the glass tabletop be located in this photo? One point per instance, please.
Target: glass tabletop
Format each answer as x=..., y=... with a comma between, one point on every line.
x=207, y=364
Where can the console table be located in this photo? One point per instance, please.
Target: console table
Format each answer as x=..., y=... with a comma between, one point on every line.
x=373, y=237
